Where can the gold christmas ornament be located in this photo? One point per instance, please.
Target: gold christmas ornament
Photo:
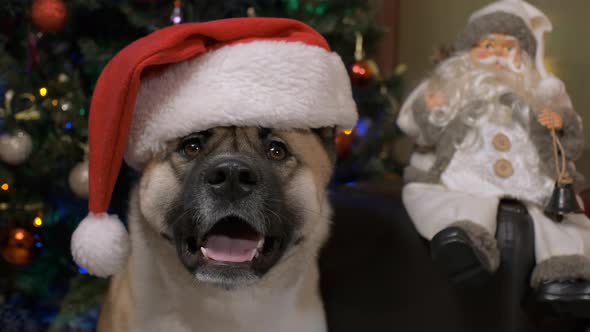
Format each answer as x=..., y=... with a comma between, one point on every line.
x=29, y=113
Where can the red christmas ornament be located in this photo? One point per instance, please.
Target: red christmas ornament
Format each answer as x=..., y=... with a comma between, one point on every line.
x=361, y=72
x=49, y=15
x=343, y=144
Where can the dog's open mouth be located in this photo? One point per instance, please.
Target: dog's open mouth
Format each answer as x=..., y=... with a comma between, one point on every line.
x=232, y=251
x=232, y=241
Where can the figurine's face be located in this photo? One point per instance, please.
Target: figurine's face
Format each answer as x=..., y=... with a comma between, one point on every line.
x=498, y=50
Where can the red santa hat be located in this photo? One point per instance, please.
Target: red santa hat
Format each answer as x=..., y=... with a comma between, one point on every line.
x=265, y=72
x=537, y=24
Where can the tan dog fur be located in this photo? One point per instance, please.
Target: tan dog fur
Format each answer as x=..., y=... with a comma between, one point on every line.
x=156, y=293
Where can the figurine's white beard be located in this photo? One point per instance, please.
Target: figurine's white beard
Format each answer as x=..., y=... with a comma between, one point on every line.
x=473, y=89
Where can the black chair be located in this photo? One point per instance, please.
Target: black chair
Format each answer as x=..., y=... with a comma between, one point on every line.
x=377, y=274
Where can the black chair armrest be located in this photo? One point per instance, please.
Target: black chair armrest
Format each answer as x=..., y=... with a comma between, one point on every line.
x=377, y=274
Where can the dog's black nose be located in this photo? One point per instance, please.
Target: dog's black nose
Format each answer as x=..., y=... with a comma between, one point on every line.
x=232, y=179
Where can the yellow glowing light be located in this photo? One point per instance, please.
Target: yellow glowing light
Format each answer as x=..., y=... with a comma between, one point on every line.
x=54, y=102
x=19, y=235
x=43, y=91
x=38, y=222
x=4, y=186
x=348, y=132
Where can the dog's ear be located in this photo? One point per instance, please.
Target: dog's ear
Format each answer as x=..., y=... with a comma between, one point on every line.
x=327, y=136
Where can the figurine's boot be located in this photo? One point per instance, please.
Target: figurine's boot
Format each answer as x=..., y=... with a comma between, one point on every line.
x=563, y=284
x=467, y=252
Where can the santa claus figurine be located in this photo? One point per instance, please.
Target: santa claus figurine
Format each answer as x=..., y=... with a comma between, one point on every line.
x=491, y=114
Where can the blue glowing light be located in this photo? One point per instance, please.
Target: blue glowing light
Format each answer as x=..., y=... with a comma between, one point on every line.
x=68, y=125
x=82, y=270
x=361, y=127
x=38, y=244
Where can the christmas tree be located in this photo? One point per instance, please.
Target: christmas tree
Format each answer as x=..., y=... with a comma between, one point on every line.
x=52, y=54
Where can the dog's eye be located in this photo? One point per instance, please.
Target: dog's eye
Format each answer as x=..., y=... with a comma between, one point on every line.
x=277, y=151
x=191, y=147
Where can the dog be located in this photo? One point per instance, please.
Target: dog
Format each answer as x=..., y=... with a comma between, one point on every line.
x=226, y=226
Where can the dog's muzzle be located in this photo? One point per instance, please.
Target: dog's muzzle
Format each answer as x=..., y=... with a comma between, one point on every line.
x=233, y=223
x=232, y=239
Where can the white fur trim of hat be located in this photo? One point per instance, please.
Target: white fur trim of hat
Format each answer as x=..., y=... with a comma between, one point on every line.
x=263, y=83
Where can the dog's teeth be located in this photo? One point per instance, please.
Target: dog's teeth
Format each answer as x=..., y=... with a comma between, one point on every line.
x=254, y=252
x=204, y=251
x=260, y=244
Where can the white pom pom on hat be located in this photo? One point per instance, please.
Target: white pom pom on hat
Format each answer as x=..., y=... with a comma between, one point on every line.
x=269, y=72
x=101, y=244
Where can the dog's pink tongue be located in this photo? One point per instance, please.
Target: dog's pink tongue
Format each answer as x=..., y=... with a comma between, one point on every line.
x=226, y=249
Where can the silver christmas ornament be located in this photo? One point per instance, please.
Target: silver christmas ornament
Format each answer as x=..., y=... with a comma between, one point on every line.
x=78, y=179
x=15, y=147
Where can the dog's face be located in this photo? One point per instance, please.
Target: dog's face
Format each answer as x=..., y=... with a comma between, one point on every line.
x=237, y=202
